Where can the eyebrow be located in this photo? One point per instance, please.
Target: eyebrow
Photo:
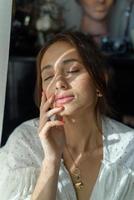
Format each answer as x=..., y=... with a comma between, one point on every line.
x=45, y=67
x=70, y=60
x=64, y=62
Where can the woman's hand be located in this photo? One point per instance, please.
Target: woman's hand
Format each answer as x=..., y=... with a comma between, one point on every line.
x=51, y=133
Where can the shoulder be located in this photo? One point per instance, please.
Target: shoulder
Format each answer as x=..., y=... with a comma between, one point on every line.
x=30, y=126
x=119, y=142
x=23, y=147
x=20, y=162
x=115, y=126
x=25, y=131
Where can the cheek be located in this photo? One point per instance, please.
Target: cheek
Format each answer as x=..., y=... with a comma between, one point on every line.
x=86, y=87
x=84, y=83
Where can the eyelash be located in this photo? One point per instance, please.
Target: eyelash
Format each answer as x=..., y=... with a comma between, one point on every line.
x=73, y=71
x=45, y=79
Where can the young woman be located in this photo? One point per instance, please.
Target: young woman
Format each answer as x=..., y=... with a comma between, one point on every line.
x=73, y=151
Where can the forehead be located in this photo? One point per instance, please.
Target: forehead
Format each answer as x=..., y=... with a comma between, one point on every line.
x=59, y=51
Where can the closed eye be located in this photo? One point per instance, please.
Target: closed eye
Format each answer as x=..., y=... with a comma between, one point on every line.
x=73, y=71
x=47, y=78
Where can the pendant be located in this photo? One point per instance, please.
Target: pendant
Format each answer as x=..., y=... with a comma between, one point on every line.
x=77, y=179
x=76, y=174
x=79, y=185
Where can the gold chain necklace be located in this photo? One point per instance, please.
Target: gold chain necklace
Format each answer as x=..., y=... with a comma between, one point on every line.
x=76, y=175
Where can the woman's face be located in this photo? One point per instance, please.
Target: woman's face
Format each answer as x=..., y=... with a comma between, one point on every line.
x=64, y=75
x=97, y=9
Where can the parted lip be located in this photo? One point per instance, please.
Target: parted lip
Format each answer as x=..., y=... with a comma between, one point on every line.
x=62, y=96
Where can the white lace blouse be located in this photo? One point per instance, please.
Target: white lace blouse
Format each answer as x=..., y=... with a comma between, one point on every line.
x=21, y=158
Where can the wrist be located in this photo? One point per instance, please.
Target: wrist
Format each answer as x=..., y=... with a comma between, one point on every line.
x=51, y=162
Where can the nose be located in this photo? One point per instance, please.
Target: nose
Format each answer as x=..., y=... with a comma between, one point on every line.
x=61, y=83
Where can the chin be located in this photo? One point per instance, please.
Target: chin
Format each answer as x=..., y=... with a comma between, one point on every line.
x=68, y=110
x=100, y=16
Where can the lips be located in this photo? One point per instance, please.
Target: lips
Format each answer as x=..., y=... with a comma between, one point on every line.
x=62, y=99
x=101, y=9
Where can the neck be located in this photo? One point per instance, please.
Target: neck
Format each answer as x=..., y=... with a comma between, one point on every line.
x=94, y=27
x=83, y=133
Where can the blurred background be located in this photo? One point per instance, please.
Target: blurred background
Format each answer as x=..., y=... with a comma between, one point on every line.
x=34, y=22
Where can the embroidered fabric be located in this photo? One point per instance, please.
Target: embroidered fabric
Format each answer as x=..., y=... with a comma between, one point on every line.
x=21, y=158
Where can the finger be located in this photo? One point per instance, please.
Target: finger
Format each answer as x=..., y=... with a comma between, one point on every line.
x=50, y=124
x=43, y=98
x=46, y=106
x=50, y=114
x=43, y=109
x=54, y=111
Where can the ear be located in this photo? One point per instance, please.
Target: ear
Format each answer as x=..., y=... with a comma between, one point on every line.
x=98, y=93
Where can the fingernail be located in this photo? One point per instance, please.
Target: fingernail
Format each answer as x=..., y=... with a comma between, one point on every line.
x=62, y=120
x=62, y=123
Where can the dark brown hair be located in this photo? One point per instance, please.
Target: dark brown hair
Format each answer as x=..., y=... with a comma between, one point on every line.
x=92, y=59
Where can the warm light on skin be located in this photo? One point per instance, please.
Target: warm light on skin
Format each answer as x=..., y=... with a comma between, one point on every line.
x=62, y=57
x=79, y=115
x=55, y=67
x=59, y=59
